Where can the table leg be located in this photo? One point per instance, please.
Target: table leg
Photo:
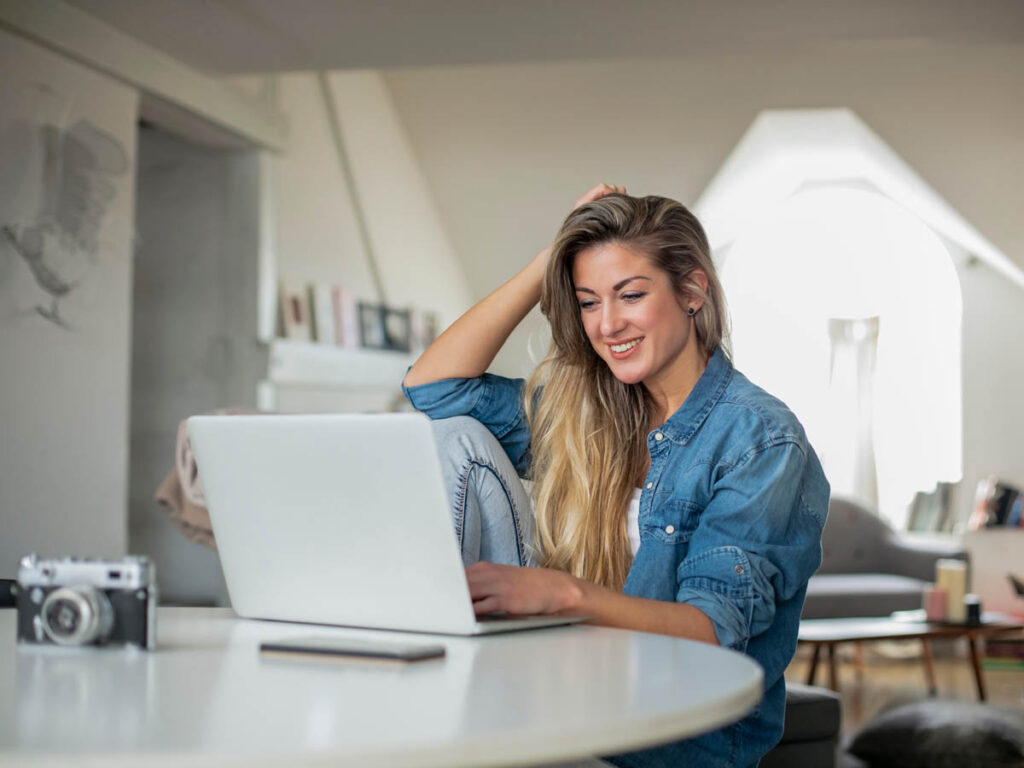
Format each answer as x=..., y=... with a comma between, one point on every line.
x=972, y=644
x=833, y=676
x=929, y=666
x=813, y=669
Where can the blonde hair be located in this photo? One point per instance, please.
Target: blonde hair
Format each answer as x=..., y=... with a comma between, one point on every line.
x=587, y=428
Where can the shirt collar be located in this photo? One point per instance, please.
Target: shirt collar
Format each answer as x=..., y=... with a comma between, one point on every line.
x=708, y=390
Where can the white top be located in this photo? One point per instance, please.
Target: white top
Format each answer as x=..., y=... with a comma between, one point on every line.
x=633, y=521
x=206, y=697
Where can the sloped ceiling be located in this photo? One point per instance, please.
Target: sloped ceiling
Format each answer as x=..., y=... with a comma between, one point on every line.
x=784, y=150
x=261, y=36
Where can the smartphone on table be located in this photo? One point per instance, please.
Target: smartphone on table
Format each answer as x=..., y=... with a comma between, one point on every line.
x=330, y=648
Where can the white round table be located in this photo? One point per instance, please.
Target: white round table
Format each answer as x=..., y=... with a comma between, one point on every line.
x=206, y=697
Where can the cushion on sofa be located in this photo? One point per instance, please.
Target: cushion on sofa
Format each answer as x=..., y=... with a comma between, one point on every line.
x=835, y=595
x=942, y=734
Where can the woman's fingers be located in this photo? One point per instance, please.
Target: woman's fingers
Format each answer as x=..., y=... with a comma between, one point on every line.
x=518, y=590
x=482, y=578
x=598, y=192
x=486, y=587
x=486, y=605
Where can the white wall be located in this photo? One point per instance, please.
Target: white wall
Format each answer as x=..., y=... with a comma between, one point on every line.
x=418, y=266
x=194, y=342
x=318, y=238
x=993, y=372
x=197, y=267
x=506, y=149
x=63, y=391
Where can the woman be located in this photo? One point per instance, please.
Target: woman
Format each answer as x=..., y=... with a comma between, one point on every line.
x=671, y=494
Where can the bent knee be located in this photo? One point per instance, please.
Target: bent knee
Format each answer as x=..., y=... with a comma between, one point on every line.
x=463, y=438
x=457, y=426
x=459, y=436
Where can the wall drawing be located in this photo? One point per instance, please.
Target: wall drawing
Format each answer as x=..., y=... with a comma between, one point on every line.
x=58, y=188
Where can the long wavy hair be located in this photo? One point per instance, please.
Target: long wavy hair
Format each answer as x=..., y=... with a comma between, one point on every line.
x=588, y=429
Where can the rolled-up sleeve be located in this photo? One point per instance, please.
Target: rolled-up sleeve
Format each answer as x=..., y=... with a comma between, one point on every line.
x=494, y=401
x=756, y=545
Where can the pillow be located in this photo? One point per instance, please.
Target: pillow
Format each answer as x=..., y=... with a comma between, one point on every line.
x=942, y=734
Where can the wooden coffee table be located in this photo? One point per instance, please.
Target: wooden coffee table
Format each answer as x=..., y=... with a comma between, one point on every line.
x=905, y=625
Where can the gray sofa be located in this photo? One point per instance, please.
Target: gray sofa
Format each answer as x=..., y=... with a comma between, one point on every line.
x=867, y=568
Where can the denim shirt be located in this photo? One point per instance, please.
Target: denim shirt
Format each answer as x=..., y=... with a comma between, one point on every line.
x=731, y=514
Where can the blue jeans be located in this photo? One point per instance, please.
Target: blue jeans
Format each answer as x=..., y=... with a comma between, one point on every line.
x=490, y=507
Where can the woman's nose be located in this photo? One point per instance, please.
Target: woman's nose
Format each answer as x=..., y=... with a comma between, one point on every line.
x=611, y=320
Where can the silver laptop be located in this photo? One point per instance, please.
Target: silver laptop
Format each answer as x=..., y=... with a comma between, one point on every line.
x=337, y=519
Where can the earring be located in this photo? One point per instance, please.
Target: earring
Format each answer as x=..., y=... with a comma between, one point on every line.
x=691, y=311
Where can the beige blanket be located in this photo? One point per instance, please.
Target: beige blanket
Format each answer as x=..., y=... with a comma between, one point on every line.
x=193, y=519
x=180, y=494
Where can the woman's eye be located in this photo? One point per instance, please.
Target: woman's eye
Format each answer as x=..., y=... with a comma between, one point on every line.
x=633, y=296
x=587, y=304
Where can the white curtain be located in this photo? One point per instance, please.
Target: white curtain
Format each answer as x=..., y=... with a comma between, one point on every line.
x=850, y=253
x=850, y=407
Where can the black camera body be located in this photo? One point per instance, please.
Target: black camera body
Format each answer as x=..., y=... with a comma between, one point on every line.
x=75, y=602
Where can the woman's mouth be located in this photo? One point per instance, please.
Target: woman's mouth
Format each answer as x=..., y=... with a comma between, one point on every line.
x=624, y=349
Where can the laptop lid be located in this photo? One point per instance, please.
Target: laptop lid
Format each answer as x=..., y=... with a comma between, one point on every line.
x=335, y=519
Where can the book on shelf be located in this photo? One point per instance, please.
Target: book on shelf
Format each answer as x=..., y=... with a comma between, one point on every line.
x=1005, y=647
x=295, y=311
x=332, y=315
x=322, y=313
x=997, y=504
x=346, y=317
x=1004, y=652
x=997, y=662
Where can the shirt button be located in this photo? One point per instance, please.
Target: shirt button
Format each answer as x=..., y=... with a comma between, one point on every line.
x=658, y=436
x=670, y=529
x=739, y=570
x=649, y=486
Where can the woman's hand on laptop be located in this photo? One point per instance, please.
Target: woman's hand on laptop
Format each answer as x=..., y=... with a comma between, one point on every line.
x=529, y=591
x=523, y=591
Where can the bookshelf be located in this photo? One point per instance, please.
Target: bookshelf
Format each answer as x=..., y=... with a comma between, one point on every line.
x=303, y=365
x=996, y=552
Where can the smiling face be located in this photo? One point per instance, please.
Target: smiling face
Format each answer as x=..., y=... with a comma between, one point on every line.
x=633, y=317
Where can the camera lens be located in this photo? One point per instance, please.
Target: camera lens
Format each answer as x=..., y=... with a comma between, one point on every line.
x=77, y=616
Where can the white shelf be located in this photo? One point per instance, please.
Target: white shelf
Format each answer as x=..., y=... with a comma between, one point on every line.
x=300, y=363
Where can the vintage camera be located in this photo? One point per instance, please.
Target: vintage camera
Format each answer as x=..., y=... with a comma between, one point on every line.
x=73, y=601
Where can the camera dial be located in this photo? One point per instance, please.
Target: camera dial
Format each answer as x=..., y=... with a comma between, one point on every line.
x=77, y=616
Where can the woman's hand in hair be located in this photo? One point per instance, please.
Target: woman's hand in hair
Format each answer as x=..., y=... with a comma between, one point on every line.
x=469, y=345
x=540, y=261
x=598, y=192
x=521, y=591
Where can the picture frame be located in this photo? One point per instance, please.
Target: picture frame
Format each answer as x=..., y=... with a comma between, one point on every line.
x=425, y=328
x=382, y=327
x=398, y=329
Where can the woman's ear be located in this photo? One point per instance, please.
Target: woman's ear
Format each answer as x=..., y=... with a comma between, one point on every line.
x=694, y=299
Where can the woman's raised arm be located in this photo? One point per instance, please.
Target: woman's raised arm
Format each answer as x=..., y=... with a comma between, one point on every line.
x=469, y=344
